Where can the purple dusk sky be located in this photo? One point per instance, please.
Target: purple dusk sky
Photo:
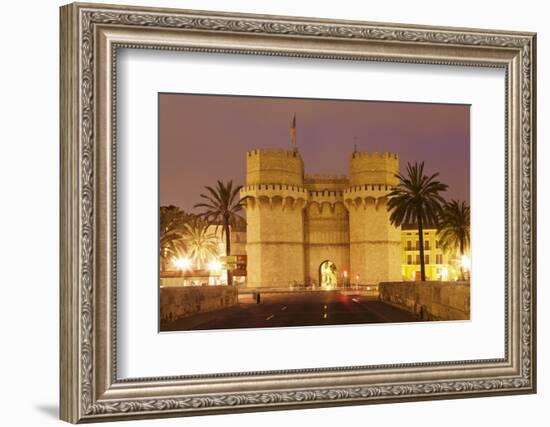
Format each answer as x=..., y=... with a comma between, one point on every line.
x=204, y=138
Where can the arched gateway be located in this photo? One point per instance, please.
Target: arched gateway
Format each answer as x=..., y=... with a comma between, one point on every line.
x=327, y=275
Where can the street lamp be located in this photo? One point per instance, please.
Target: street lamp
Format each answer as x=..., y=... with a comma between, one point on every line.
x=465, y=266
x=465, y=262
x=214, y=266
x=182, y=263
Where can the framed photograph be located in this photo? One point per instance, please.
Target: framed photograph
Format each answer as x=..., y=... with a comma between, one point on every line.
x=266, y=212
x=305, y=249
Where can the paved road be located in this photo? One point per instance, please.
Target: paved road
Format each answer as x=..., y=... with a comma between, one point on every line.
x=294, y=309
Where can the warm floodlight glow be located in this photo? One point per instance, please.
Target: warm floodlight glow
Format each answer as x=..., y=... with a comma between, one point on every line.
x=465, y=262
x=182, y=263
x=214, y=265
x=444, y=273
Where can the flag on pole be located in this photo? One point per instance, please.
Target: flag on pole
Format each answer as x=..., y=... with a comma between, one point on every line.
x=293, y=131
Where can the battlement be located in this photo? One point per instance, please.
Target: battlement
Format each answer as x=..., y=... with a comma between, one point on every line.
x=274, y=166
x=369, y=188
x=273, y=187
x=373, y=168
x=373, y=155
x=325, y=193
x=273, y=152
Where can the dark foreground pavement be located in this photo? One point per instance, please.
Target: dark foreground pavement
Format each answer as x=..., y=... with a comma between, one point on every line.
x=294, y=309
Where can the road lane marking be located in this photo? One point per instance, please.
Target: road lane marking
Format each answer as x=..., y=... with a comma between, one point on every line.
x=355, y=300
x=270, y=317
x=284, y=308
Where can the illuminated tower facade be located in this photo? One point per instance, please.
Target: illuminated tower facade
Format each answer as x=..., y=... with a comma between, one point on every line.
x=375, y=245
x=319, y=230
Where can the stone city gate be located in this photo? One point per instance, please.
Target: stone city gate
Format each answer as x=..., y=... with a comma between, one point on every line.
x=296, y=221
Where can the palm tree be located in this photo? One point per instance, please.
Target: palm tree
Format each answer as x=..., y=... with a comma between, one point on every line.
x=454, y=229
x=222, y=207
x=172, y=222
x=201, y=244
x=416, y=200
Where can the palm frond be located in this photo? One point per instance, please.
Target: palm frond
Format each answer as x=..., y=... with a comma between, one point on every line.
x=416, y=200
x=454, y=227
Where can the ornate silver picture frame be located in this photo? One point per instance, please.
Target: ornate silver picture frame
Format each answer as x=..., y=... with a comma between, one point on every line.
x=91, y=389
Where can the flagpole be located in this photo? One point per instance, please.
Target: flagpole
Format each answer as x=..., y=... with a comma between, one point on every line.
x=293, y=132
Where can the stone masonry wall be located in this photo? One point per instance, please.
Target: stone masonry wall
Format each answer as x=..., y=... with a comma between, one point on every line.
x=375, y=245
x=429, y=300
x=275, y=242
x=179, y=301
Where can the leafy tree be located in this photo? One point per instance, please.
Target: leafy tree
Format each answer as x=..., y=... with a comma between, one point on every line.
x=171, y=232
x=454, y=229
x=201, y=244
x=416, y=200
x=223, y=206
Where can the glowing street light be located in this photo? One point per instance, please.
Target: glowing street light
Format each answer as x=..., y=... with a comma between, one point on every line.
x=182, y=263
x=214, y=265
x=444, y=273
x=465, y=262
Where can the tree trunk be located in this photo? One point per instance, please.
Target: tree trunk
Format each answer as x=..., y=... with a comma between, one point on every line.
x=228, y=251
x=421, y=242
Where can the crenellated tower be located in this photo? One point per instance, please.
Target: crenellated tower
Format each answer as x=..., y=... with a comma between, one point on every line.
x=323, y=231
x=374, y=243
x=275, y=201
x=274, y=166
